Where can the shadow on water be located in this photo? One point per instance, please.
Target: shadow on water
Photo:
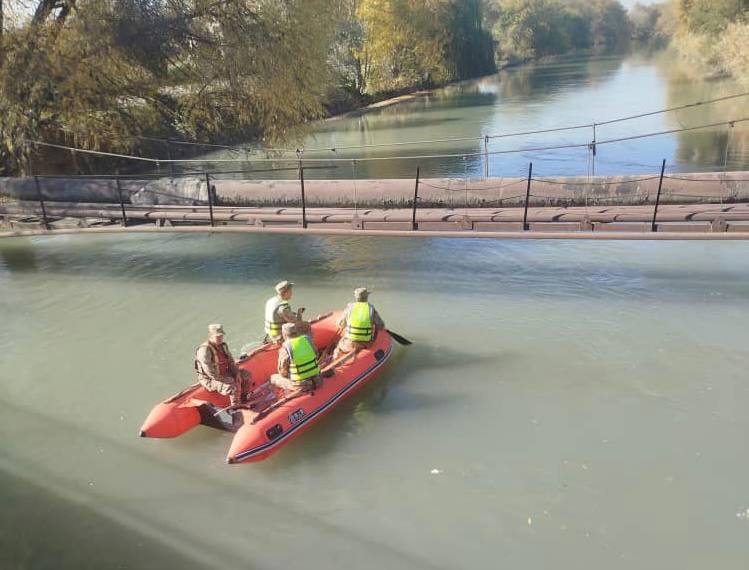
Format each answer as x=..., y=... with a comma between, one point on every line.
x=423, y=356
x=39, y=530
x=390, y=393
x=18, y=256
x=229, y=490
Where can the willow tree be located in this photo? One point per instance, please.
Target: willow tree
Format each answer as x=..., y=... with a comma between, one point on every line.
x=102, y=73
x=405, y=42
x=713, y=36
x=470, y=47
x=527, y=29
x=710, y=16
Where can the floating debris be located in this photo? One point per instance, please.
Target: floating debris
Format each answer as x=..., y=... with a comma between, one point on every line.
x=436, y=471
x=530, y=521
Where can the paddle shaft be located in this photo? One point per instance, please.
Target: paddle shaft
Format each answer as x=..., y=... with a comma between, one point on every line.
x=399, y=339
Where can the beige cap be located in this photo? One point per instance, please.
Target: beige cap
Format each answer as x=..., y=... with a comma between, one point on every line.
x=361, y=294
x=215, y=329
x=283, y=285
x=288, y=329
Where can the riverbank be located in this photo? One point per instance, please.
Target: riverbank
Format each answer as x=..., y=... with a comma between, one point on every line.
x=389, y=99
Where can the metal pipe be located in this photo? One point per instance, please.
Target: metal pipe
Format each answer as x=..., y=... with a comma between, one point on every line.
x=122, y=203
x=210, y=197
x=659, y=236
x=41, y=202
x=416, y=199
x=486, y=156
x=304, y=202
x=658, y=196
x=527, y=197
x=169, y=157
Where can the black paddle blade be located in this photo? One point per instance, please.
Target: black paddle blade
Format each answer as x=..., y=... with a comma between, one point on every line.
x=400, y=339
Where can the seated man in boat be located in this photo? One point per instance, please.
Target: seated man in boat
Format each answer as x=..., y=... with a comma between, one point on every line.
x=298, y=369
x=217, y=371
x=278, y=311
x=359, y=324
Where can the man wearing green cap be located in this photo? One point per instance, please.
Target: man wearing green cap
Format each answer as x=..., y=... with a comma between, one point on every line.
x=217, y=370
x=278, y=311
x=358, y=325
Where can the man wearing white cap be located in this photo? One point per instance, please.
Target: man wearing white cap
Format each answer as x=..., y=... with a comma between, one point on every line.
x=278, y=311
x=358, y=325
x=217, y=371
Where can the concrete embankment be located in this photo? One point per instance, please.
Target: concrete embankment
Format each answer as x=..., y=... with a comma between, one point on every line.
x=388, y=193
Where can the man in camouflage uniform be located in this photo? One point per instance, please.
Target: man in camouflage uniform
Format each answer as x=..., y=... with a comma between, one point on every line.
x=278, y=311
x=217, y=370
x=358, y=325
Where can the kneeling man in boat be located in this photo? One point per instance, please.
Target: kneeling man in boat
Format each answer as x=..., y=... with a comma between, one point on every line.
x=278, y=311
x=217, y=370
x=298, y=369
x=358, y=325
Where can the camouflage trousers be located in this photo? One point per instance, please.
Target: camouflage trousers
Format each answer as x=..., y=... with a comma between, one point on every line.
x=346, y=345
x=236, y=388
x=288, y=385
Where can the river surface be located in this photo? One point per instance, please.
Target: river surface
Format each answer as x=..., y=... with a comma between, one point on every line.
x=570, y=404
x=568, y=91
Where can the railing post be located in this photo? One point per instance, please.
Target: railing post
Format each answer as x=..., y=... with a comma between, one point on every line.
x=210, y=196
x=304, y=202
x=41, y=202
x=169, y=157
x=527, y=197
x=416, y=199
x=486, y=156
x=122, y=202
x=658, y=196
x=593, y=151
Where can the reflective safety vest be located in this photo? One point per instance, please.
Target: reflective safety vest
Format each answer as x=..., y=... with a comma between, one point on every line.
x=272, y=322
x=359, y=327
x=303, y=363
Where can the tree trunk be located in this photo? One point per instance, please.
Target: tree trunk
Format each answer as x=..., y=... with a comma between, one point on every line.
x=43, y=10
x=45, y=7
x=2, y=24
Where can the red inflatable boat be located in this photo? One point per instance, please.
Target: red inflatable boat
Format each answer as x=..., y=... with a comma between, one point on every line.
x=273, y=421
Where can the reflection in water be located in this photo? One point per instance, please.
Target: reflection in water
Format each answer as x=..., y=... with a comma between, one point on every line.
x=713, y=149
x=543, y=82
x=573, y=90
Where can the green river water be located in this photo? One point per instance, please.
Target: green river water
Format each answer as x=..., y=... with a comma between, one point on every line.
x=572, y=404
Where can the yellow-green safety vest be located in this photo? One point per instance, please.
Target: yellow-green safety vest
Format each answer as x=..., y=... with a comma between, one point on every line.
x=303, y=363
x=272, y=323
x=359, y=327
